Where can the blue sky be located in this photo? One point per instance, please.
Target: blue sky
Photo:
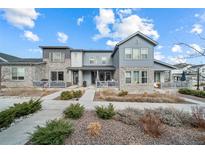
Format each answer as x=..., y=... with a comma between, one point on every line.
x=23, y=30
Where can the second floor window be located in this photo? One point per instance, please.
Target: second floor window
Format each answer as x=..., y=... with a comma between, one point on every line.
x=136, y=53
x=18, y=73
x=57, y=56
x=104, y=60
x=128, y=53
x=92, y=60
x=144, y=53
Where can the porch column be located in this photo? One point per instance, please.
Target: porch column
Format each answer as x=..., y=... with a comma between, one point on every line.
x=80, y=77
x=70, y=76
x=97, y=78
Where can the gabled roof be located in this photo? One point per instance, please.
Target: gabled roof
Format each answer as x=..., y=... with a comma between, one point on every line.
x=165, y=64
x=140, y=34
x=197, y=66
x=131, y=36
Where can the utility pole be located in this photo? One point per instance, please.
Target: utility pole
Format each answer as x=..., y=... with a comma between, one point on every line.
x=197, y=79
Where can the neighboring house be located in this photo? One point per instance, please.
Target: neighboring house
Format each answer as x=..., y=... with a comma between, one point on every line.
x=194, y=70
x=131, y=64
x=180, y=68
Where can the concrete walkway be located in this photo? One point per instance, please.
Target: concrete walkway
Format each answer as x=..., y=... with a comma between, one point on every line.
x=88, y=95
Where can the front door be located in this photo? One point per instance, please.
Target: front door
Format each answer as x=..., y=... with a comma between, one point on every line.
x=93, y=76
x=75, y=77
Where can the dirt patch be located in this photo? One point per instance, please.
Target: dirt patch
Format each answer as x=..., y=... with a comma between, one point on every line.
x=27, y=92
x=145, y=97
x=116, y=132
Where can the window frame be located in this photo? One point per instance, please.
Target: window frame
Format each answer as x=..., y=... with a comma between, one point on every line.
x=57, y=75
x=141, y=50
x=144, y=78
x=105, y=60
x=94, y=59
x=134, y=77
x=130, y=78
x=127, y=54
x=56, y=60
x=18, y=77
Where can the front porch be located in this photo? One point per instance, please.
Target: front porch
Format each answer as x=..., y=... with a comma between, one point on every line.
x=91, y=75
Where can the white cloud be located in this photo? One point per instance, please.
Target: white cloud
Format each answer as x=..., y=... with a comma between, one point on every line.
x=158, y=55
x=179, y=29
x=80, y=20
x=31, y=36
x=109, y=25
x=197, y=29
x=111, y=43
x=177, y=59
x=159, y=47
x=21, y=18
x=62, y=37
x=201, y=16
x=105, y=18
x=176, y=48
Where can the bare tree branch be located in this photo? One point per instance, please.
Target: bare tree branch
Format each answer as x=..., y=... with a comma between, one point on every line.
x=189, y=46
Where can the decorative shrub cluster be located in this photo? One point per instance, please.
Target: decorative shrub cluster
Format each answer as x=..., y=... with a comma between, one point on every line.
x=94, y=128
x=66, y=95
x=151, y=124
x=18, y=110
x=105, y=112
x=198, y=93
x=54, y=133
x=74, y=111
x=122, y=93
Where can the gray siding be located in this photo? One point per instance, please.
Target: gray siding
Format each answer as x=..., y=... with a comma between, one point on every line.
x=136, y=42
x=98, y=56
x=158, y=66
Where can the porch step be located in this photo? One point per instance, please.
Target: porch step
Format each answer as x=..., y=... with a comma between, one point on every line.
x=88, y=95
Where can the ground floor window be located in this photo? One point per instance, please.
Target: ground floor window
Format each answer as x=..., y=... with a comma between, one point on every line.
x=128, y=77
x=136, y=75
x=156, y=76
x=18, y=73
x=144, y=76
x=57, y=76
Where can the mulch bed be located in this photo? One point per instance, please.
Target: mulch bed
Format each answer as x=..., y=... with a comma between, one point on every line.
x=116, y=132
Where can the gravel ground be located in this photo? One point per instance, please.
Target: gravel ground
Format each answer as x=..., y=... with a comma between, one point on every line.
x=116, y=132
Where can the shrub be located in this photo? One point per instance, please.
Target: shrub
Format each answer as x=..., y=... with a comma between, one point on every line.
x=105, y=112
x=129, y=116
x=26, y=108
x=18, y=110
x=74, y=111
x=198, y=93
x=66, y=95
x=151, y=124
x=94, y=128
x=77, y=94
x=6, y=117
x=54, y=133
x=198, y=117
x=122, y=93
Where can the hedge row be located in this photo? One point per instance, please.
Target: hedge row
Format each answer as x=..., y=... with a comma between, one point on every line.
x=66, y=95
x=18, y=110
x=198, y=93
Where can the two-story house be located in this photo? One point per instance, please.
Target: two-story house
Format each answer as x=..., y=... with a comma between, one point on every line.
x=131, y=64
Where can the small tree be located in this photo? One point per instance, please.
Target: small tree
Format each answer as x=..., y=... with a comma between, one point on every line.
x=183, y=78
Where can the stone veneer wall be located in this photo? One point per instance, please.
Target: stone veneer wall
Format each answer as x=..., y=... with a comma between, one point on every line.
x=32, y=72
x=132, y=87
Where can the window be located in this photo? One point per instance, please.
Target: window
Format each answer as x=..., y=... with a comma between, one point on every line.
x=144, y=76
x=104, y=60
x=128, y=53
x=136, y=53
x=57, y=76
x=156, y=76
x=18, y=73
x=128, y=77
x=92, y=60
x=136, y=77
x=57, y=56
x=144, y=53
